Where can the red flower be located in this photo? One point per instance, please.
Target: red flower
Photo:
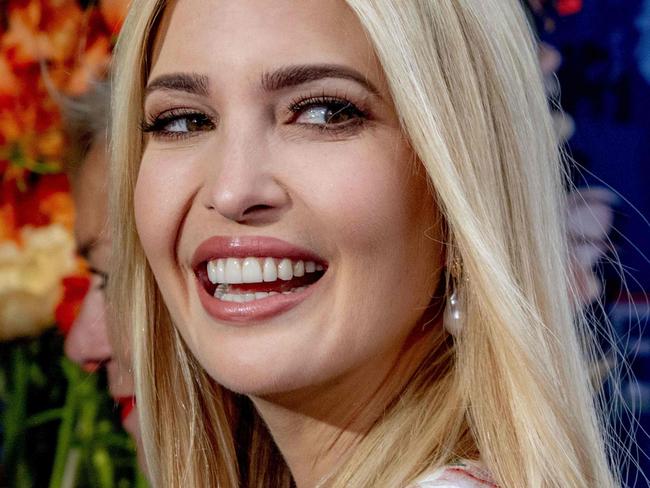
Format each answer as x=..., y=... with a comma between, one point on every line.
x=562, y=7
x=568, y=7
x=41, y=203
x=74, y=290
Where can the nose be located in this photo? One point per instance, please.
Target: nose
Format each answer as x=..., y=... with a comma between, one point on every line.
x=87, y=342
x=244, y=186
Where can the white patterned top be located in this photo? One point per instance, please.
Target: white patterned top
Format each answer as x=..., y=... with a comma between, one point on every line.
x=462, y=474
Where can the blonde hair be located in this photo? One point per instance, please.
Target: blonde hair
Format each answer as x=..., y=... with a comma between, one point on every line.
x=514, y=388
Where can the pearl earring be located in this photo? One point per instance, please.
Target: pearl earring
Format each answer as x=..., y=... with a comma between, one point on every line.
x=452, y=319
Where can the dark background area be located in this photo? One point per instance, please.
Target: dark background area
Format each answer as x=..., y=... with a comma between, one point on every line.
x=605, y=87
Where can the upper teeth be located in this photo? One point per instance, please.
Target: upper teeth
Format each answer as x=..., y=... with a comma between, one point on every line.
x=257, y=270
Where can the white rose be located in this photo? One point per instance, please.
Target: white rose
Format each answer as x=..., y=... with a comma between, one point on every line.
x=30, y=279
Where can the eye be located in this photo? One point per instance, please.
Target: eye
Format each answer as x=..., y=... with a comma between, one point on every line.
x=328, y=113
x=100, y=278
x=178, y=123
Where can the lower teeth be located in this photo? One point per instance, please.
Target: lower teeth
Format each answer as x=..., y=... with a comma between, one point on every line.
x=220, y=293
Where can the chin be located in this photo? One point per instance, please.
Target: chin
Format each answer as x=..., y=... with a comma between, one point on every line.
x=265, y=377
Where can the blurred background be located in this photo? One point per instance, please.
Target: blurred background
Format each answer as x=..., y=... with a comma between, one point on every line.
x=603, y=85
x=58, y=425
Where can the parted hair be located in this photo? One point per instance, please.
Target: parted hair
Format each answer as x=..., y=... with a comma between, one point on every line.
x=514, y=388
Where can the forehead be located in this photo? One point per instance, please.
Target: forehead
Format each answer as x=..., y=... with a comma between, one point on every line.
x=226, y=38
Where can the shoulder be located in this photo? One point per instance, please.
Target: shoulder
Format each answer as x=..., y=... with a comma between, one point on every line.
x=461, y=474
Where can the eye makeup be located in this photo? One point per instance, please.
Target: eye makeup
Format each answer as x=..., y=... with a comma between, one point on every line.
x=326, y=111
x=177, y=123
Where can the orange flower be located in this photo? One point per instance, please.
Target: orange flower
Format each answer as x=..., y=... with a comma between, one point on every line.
x=8, y=218
x=37, y=204
x=48, y=46
x=114, y=12
x=39, y=31
x=9, y=126
x=50, y=144
x=7, y=221
x=59, y=208
x=9, y=82
x=92, y=65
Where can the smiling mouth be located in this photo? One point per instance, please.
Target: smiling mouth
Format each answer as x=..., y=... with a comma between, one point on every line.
x=256, y=278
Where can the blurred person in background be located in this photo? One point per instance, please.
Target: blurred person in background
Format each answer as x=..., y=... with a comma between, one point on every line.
x=88, y=343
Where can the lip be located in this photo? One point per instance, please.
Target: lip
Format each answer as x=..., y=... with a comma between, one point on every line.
x=250, y=246
x=242, y=247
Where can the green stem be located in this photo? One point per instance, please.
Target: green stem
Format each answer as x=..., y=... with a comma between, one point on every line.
x=104, y=468
x=15, y=413
x=66, y=429
x=44, y=417
x=117, y=441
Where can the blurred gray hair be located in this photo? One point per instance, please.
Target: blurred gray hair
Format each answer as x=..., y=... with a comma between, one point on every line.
x=86, y=120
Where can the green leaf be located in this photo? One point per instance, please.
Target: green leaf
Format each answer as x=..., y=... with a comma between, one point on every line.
x=44, y=417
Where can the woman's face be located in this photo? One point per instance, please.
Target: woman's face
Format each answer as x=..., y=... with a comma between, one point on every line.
x=274, y=157
x=87, y=343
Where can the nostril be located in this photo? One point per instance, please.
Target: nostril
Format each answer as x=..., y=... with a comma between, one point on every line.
x=256, y=208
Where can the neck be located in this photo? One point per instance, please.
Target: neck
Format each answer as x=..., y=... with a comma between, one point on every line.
x=317, y=428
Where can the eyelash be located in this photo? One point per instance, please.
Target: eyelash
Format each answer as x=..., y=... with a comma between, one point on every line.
x=156, y=125
x=342, y=105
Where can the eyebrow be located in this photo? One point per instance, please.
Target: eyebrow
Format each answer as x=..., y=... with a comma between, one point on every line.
x=286, y=77
x=290, y=76
x=193, y=83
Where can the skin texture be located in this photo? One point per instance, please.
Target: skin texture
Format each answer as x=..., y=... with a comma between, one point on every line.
x=354, y=195
x=87, y=342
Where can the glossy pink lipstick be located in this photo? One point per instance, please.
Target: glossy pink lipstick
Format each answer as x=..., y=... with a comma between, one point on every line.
x=283, y=294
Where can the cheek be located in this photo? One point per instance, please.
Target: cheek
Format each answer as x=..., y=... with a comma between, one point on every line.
x=376, y=213
x=162, y=193
x=364, y=196
x=88, y=337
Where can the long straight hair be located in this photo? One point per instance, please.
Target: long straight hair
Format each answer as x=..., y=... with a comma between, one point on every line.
x=514, y=388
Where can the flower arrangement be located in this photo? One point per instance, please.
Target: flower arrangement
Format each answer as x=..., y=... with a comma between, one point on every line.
x=49, y=49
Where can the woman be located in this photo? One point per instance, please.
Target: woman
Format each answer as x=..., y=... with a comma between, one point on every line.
x=87, y=343
x=340, y=251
